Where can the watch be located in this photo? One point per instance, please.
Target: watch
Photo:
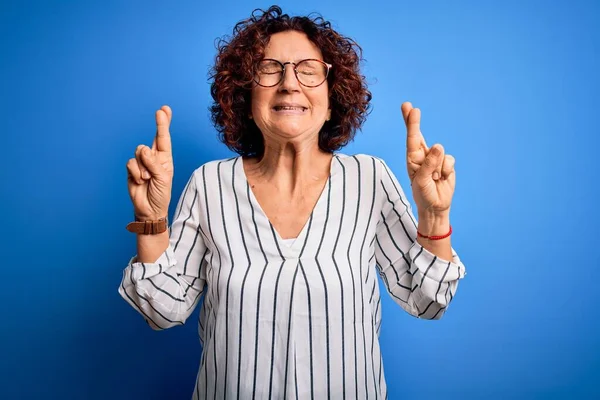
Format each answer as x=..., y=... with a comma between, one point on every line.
x=153, y=227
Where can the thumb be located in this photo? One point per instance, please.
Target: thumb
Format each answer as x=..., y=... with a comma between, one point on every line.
x=433, y=161
x=151, y=163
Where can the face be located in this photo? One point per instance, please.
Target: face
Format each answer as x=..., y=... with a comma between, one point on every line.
x=290, y=110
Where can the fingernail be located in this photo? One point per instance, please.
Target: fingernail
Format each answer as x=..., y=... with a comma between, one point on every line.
x=436, y=176
x=145, y=175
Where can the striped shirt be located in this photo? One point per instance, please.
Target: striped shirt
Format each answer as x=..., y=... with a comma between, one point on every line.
x=291, y=319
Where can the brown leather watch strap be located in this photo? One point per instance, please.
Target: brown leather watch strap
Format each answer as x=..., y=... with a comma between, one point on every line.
x=148, y=227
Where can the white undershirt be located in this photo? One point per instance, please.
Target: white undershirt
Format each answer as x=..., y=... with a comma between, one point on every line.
x=289, y=242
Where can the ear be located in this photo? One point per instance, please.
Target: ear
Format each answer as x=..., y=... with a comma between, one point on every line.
x=328, y=115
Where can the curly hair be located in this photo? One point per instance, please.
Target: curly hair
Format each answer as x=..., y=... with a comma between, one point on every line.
x=234, y=70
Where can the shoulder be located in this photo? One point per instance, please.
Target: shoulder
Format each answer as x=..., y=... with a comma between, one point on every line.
x=209, y=169
x=365, y=162
x=361, y=157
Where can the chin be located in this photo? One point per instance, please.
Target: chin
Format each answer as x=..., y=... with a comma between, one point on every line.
x=290, y=130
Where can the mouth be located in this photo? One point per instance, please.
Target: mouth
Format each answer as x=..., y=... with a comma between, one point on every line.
x=291, y=108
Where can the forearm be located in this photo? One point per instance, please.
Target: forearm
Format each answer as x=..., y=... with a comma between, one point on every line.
x=435, y=225
x=150, y=247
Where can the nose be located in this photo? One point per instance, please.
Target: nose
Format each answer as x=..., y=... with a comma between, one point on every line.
x=289, y=82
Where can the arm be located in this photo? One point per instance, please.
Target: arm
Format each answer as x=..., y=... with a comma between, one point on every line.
x=421, y=282
x=435, y=225
x=165, y=281
x=433, y=179
x=151, y=247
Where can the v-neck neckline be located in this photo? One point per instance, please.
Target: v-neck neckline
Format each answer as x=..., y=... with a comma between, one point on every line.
x=295, y=248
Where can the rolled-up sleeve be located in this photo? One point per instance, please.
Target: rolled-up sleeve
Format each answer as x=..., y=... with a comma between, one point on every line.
x=420, y=282
x=166, y=292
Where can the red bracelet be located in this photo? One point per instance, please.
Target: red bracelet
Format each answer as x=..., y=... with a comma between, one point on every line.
x=436, y=237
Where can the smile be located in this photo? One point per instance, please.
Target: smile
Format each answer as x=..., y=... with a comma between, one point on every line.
x=290, y=108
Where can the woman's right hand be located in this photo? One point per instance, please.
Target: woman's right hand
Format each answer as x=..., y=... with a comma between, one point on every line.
x=150, y=172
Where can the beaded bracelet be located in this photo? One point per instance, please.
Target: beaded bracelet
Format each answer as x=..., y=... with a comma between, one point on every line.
x=436, y=237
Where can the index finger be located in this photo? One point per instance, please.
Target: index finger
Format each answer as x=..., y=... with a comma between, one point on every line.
x=412, y=118
x=162, y=141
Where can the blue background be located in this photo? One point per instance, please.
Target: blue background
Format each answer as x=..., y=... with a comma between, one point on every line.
x=510, y=89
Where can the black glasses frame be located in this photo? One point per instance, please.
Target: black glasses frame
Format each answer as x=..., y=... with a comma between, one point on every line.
x=329, y=66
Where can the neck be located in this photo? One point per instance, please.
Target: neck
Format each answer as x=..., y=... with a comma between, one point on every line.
x=290, y=166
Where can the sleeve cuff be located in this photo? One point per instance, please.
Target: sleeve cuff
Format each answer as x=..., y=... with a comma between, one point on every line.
x=424, y=263
x=141, y=270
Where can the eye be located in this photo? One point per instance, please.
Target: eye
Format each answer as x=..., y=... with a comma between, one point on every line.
x=310, y=67
x=268, y=67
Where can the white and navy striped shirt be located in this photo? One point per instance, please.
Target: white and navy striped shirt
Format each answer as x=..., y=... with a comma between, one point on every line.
x=297, y=319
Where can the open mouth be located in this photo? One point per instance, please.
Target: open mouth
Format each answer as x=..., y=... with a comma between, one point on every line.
x=290, y=108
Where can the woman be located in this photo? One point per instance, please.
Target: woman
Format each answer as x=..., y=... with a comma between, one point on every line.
x=285, y=240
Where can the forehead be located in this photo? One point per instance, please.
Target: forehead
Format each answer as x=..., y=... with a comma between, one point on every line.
x=291, y=46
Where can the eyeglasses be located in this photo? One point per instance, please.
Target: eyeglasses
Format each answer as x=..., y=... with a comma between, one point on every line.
x=310, y=73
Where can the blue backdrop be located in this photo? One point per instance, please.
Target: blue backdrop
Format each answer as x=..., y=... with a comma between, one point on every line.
x=511, y=90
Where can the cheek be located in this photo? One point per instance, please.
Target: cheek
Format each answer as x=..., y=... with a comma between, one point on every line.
x=320, y=98
x=320, y=104
x=258, y=103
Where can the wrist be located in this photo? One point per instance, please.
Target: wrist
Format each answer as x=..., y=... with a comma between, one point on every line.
x=145, y=226
x=148, y=217
x=433, y=224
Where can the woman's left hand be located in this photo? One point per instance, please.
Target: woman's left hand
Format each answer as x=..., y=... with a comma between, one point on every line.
x=431, y=172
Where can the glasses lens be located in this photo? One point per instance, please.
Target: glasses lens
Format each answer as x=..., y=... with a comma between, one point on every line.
x=311, y=72
x=269, y=73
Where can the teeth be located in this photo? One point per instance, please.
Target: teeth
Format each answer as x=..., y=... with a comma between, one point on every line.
x=280, y=108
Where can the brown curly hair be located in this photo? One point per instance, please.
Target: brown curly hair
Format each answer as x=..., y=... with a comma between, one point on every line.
x=234, y=70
